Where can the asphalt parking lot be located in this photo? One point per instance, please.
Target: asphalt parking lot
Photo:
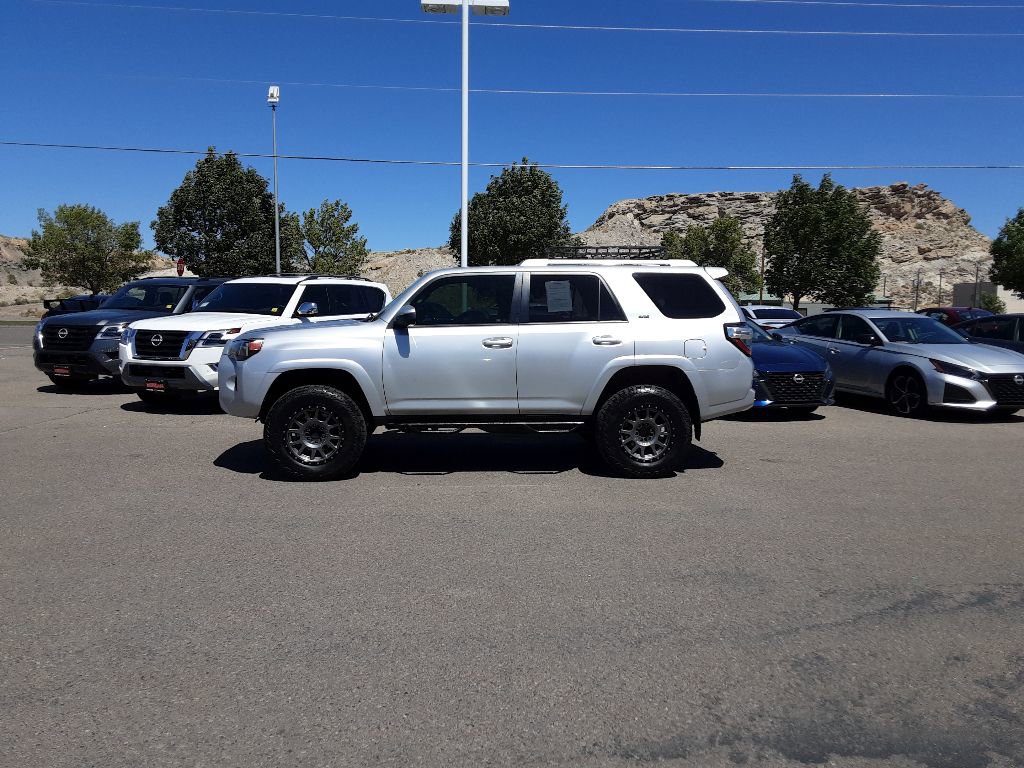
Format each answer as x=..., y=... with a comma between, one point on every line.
x=844, y=588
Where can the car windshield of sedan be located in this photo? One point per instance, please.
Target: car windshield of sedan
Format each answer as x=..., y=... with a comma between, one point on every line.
x=760, y=337
x=248, y=298
x=917, y=330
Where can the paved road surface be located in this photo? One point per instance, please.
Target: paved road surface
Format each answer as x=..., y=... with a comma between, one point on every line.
x=848, y=587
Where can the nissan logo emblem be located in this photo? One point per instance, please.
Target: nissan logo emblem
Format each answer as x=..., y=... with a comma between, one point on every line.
x=1018, y=380
x=799, y=378
x=157, y=340
x=62, y=333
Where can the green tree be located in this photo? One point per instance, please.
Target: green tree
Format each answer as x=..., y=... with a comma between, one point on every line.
x=992, y=303
x=821, y=245
x=518, y=216
x=332, y=244
x=721, y=244
x=79, y=245
x=1008, y=255
x=221, y=221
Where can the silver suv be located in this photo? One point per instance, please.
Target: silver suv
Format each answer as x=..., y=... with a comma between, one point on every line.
x=636, y=353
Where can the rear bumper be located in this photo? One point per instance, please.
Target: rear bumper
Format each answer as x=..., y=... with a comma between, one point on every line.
x=719, y=410
x=99, y=360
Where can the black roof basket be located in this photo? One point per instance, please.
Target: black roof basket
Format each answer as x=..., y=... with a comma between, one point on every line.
x=630, y=252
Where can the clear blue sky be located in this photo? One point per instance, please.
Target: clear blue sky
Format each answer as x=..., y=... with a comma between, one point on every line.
x=134, y=76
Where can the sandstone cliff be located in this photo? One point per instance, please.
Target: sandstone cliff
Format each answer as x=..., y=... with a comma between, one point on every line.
x=921, y=230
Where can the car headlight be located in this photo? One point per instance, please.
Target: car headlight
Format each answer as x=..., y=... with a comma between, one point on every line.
x=128, y=336
x=218, y=338
x=954, y=370
x=112, y=331
x=243, y=349
x=39, y=332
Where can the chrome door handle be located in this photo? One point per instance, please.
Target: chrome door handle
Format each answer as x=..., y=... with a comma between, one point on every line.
x=498, y=342
x=606, y=341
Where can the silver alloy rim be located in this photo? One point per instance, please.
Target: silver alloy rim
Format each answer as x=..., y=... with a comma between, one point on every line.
x=905, y=396
x=314, y=435
x=646, y=433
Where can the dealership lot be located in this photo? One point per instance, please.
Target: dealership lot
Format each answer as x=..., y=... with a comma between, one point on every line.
x=850, y=584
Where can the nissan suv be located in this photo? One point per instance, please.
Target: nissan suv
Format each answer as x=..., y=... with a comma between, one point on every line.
x=73, y=348
x=636, y=353
x=165, y=356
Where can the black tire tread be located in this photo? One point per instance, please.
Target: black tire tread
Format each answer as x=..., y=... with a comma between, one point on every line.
x=606, y=431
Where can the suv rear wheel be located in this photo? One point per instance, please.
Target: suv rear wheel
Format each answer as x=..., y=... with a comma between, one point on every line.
x=315, y=433
x=643, y=431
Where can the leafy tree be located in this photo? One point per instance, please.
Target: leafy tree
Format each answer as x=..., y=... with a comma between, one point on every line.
x=721, y=244
x=1008, y=255
x=992, y=303
x=517, y=217
x=821, y=245
x=221, y=221
x=79, y=245
x=332, y=244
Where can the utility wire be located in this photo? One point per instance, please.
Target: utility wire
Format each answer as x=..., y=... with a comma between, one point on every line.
x=573, y=27
x=854, y=4
x=557, y=166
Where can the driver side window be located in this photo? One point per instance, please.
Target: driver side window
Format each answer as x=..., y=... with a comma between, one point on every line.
x=472, y=300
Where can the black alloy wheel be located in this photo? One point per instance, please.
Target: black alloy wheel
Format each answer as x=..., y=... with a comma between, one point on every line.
x=643, y=431
x=315, y=433
x=906, y=394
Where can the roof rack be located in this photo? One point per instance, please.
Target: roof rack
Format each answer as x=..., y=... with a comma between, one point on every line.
x=315, y=276
x=631, y=252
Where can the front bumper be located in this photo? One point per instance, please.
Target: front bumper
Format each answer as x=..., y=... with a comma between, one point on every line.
x=232, y=391
x=197, y=372
x=990, y=393
x=101, y=359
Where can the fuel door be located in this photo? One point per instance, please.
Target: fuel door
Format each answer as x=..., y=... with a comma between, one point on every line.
x=695, y=349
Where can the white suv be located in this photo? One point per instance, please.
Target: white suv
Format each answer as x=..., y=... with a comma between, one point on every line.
x=162, y=356
x=637, y=353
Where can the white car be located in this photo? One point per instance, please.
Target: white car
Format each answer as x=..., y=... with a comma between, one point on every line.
x=768, y=316
x=162, y=356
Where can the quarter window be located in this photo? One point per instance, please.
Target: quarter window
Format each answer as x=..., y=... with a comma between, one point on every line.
x=474, y=300
x=571, y=298
x=680, y=296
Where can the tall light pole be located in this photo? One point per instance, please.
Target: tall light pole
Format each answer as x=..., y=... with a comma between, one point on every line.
x=482, y=8
x=273, y=99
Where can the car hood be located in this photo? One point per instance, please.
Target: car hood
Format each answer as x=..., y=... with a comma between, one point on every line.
x=103, y=317
x=772, y=356
x=208, y=321
x=981, y=357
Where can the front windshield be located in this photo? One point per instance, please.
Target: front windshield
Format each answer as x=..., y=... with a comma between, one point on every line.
x=248, y=298
x=146, y=296
x=917, y=330
x=760, y=337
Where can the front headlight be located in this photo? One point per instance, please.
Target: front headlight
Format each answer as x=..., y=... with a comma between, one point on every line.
x=128, y=336
x=243, y=349
x=112, y=331
x=954, y=370
x=39, y=332
x=218, y=338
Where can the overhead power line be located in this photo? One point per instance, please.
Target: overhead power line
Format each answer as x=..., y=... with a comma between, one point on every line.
x=572, y=27
x=854, y=4
x=553, y=166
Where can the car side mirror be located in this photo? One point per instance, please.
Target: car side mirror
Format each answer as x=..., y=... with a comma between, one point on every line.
x=307, y=309
x=406, y=316
x=778, y=336
x=868, y=338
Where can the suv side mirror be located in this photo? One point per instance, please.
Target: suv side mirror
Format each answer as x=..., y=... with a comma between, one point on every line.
x=868, y=338
x=406, y=316
x=307, y=309
x=777, y=336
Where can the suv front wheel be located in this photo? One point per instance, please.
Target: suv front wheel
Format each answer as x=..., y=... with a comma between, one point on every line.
x=643, y=431
x=315, y=433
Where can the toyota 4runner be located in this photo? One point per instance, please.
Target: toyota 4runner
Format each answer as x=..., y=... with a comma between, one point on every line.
x=164, y=356
x=637, y=353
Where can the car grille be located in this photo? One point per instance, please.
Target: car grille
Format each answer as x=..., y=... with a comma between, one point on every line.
x=1006, y=391
x=73, y=338
x=169, y=347
x=785, y=390
x=156, y=371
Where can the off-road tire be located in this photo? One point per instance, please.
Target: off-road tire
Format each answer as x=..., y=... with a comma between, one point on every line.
x=906, y=394
x=643, y=431
x=315, y=433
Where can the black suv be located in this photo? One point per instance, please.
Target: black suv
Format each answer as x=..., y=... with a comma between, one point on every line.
x=72, y=349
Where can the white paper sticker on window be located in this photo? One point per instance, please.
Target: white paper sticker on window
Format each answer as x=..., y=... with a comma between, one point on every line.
x=559, y=296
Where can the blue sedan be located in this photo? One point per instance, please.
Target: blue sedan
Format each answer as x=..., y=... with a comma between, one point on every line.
x=787, y=375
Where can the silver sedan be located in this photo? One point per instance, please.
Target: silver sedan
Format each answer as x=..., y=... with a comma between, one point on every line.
x=912, y=361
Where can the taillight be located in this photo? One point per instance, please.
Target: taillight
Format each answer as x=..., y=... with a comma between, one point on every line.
x=740, y=336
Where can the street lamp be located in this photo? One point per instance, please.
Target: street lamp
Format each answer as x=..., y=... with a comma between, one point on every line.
x=273, y=99
x=481, y=8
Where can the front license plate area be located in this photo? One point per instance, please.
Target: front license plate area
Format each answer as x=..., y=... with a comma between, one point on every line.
x=156, y=386
x=61, y=370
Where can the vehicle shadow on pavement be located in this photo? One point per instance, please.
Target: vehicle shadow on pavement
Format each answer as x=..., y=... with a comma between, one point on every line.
x=199, y=405
x=102, y=387
x=774, y=415
x=938, y=415
x=447, y=454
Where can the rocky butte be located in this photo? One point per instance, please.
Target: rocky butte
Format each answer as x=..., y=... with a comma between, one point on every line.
x=921, y=230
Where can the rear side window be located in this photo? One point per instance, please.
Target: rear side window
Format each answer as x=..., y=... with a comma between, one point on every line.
x=680, y=297
x=820, y=325
x=1001, y=329
x=355, y=299
x=571, y=298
